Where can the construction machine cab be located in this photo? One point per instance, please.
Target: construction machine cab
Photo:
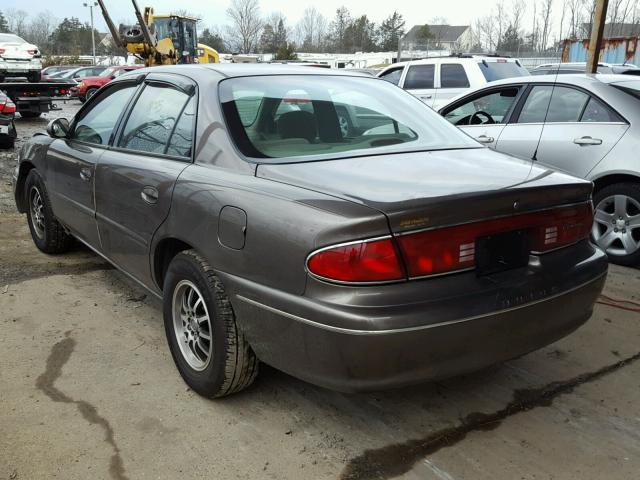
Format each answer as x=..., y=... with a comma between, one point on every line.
x=182, y=32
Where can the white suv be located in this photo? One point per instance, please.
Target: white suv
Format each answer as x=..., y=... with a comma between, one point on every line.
x=437, y=80
x=19, y=58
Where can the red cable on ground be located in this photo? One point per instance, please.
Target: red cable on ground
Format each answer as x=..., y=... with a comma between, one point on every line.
x=616, y=303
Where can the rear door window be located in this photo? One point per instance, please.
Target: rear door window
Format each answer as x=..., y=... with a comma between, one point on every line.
x=567, y=105
x=420, y=77
x=452, y=75
x=153, y=118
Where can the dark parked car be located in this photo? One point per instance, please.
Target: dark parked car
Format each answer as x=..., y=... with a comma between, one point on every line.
x=7, y=125
x=354, y=262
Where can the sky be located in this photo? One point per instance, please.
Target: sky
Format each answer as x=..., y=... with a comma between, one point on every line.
x=457, y=12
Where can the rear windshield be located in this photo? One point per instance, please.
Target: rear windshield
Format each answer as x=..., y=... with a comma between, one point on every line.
x=499, y=70
x=323, y=116
x=632, y=87
x=10, y=38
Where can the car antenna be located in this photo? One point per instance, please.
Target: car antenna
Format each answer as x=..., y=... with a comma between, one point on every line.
x=555, y=81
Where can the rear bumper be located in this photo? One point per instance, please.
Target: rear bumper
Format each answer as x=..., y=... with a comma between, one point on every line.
x=7, y=127
x=336, y=348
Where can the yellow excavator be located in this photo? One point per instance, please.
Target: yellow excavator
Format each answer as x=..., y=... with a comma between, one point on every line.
x=160, y=39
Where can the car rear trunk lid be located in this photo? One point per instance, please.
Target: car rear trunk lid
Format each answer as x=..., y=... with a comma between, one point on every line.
x=437, y=188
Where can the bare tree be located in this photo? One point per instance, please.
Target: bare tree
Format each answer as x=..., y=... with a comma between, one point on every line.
x=545, y=21
x=17, y=21
x=311, y=30
x=246, y=25
x=40, y=29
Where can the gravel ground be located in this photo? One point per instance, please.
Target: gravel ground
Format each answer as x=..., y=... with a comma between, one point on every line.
x=88, y=389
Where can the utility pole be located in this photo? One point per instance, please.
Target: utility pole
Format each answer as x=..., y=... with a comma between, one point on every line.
x=93, y=38
x=597, y=32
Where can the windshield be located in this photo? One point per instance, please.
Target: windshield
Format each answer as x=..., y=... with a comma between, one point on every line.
x=632, y=87
x=315, y=115
x=10, y=38
x=499, y=70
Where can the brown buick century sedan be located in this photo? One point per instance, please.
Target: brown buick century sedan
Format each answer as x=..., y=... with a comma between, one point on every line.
x=330, y=225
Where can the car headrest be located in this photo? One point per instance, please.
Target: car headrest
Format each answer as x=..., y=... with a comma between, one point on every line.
x=298, y=124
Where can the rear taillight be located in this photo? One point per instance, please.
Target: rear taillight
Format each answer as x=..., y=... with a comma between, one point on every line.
x=32, y=52
x=358, y=262
x=2, y=50
x=450, y=249
x=7, y=106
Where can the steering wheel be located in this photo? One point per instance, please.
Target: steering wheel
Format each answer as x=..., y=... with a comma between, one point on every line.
x=475, y=118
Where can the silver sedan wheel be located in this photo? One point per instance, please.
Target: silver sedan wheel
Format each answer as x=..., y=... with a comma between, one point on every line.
x=192, y=325
x=616, y=226
x=37, y=211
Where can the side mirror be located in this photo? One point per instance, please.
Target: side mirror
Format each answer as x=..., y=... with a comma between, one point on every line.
x=58, y=128
x=112, y=77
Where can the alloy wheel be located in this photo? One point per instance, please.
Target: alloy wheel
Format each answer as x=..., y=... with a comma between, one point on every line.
x=616, y=226
x=192, y=325
x=37, y=212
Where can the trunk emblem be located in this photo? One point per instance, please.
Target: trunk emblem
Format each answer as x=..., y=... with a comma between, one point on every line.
x=516, y=205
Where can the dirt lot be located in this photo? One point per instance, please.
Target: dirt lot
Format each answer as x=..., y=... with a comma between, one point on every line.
x=88, y=390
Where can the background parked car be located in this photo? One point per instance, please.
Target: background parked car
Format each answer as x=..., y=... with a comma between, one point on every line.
x=88, y=86
x=81, y=72
x=585, y=125
x=580, y=67
x=48, y=72
x=437, y=80
x=19, y=58
x=7, y=125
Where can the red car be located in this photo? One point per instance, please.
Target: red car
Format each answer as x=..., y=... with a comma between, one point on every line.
x=90, y=85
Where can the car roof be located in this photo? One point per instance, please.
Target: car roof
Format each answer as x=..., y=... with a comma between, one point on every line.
x=575, y=78
x=255, y=69
x=457, y=58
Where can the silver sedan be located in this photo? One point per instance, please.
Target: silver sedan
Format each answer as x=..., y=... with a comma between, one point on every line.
x=586, y=125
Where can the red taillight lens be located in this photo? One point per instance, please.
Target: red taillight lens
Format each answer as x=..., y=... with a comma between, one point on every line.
x=366, y=261
x=449, y=249
x=7, y=106
x=2, y=50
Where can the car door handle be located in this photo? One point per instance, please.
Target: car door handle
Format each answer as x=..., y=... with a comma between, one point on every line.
x=585, y=141
x=426, y=97
x=149, y=195
x=484, y=139
x=85, y=174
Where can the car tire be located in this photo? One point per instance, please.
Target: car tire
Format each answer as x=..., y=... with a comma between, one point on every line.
x=614, y=230
x=30, y=114
x=47, y=233
x=90, y=93
x=7, y=143
x=195, y=307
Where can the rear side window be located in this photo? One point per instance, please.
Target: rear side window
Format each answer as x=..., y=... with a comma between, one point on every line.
x=502, y=69
x=452, y=75
x=596, y=111
x=393, y=75
x=153, y=119
x=420, y=76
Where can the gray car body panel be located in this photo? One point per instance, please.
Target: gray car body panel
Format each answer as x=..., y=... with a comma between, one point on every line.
x=352, y=337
